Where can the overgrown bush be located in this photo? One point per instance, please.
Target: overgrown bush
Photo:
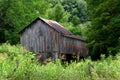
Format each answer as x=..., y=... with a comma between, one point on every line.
x=18, y=64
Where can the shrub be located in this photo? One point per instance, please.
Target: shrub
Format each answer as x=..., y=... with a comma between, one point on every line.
x=16, y=64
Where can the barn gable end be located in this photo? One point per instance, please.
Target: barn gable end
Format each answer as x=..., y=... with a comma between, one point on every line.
x=39, y=37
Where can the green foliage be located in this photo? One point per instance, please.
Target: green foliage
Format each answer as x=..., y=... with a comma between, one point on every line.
x=75, y=20
x=18, y=64
x=105, y=26
x=15, y=15
x=75, y=30
x=76, y=8
x=58, y=13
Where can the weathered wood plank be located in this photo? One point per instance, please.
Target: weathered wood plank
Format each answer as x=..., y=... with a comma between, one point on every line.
x=41, y=38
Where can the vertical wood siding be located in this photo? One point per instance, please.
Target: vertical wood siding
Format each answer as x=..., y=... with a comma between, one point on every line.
x=40, y=38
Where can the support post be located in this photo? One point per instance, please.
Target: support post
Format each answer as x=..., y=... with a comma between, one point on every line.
x=55, y=56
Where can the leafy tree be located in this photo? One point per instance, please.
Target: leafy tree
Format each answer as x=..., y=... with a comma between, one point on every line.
x=104, y=34
x=76, y=8
x=75, y=20
x=17, y=14
x=58, y=13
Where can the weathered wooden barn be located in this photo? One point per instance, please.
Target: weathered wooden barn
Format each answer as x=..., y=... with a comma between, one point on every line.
x=49, y=38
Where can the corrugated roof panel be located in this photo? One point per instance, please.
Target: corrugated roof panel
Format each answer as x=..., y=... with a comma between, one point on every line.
x=57, y=26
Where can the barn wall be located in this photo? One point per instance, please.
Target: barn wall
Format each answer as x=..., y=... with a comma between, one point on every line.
x=41, y=38
x=70, y=46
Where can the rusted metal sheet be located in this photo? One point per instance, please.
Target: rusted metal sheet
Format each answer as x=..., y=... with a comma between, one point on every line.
x=57, y=26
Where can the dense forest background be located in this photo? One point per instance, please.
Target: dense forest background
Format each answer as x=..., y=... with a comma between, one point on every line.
x=97, y=21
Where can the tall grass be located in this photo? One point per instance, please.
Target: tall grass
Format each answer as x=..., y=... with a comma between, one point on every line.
x=18, y=64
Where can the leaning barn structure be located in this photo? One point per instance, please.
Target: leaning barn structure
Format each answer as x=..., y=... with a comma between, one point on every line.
x=49, y=39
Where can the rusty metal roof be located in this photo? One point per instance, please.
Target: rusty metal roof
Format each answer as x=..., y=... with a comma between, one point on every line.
x=57, y=27
x=61, y=29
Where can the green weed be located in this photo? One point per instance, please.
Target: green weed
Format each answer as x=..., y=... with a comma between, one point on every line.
x=16, y=63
